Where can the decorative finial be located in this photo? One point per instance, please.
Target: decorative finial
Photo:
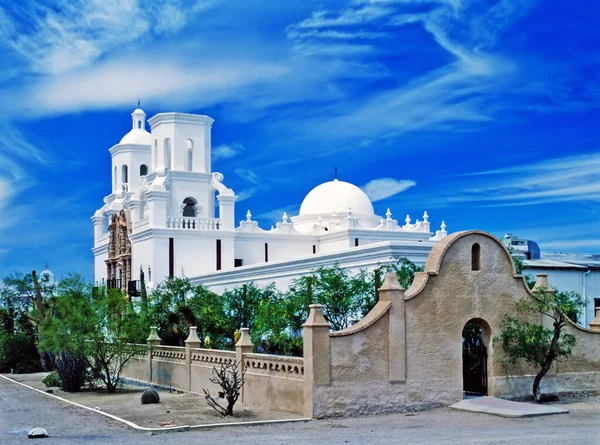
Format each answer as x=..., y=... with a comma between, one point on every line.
x=248, y=216
x=388, y=215
x=425, y=217
x=349, y=211
x=335, y=172
x=407, y=220
x=443, y=226
x=285, y=218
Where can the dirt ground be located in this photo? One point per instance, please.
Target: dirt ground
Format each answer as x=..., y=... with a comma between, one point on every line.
x=174, y=408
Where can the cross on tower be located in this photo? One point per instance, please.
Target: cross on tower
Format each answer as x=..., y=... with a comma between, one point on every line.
x=138, y=102
x=335, y=171
x=46, y=265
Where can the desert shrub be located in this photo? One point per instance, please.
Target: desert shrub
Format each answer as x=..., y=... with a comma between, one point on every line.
x=71, y=369
x=18, y=353
x=52, y=380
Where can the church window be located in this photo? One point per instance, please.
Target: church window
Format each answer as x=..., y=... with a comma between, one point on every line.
x=124, y=174
x=143, y=170
x=189, y=160
x=475, y=257
x=314, y=249
x=189, y=207
x=266, y=252
x=238, y=262
x=139, y=124
x=355, y=242
x=167, y=153
x=218, y=254
x=155, y=154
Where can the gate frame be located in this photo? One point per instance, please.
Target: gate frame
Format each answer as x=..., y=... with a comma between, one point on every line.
x=486, y=335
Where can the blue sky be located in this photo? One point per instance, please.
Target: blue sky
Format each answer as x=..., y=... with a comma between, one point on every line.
x=484, y=113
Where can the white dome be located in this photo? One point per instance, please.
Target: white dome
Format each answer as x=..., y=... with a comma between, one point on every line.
x=138, y=137
x=336, y=196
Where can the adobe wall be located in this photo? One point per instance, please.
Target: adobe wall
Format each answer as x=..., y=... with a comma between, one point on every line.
x=407, y=352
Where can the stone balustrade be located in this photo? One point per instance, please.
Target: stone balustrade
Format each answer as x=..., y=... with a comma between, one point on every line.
x=271, y=381
x=191, y=223
x=274, y=365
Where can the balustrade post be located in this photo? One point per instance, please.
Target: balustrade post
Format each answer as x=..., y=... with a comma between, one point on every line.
x=317, y=355
x=243, y=346
x=192, y=342
x=152, y=340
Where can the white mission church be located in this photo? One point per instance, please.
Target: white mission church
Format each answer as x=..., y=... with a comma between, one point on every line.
x=161, y=218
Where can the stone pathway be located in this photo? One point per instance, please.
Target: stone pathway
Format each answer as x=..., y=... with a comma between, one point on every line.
x=506, y=408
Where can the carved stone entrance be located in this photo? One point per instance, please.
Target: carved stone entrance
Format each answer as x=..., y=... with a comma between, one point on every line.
x=118, y=264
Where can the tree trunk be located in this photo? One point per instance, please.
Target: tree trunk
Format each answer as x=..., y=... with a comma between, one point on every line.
x=546, y=364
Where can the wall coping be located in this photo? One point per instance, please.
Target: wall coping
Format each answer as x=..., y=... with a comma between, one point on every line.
x=378, y=311
x=436, y=256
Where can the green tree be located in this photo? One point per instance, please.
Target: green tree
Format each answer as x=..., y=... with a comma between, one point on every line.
x=520, y=267
x=534, y=343
x=170, y=311
x=93, y=328
x=343, y=296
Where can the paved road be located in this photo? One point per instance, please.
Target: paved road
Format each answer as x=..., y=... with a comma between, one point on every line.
x=22, y=409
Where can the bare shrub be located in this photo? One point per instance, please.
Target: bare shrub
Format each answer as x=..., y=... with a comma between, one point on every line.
x=230, y=380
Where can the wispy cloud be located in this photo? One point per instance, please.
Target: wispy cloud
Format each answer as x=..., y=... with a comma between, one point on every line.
x=226, y=151
x=62, y=35
x=568, y=179
x=382, y=188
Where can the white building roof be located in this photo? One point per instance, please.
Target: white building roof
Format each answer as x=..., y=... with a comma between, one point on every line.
x=336, y=196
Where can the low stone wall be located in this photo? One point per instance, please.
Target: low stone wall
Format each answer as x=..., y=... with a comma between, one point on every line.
x=563, y=384
x=275, y=382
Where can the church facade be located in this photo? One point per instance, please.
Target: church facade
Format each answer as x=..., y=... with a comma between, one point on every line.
x=170, y=215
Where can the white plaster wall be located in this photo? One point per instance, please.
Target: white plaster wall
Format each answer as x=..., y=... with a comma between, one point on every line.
x=133, y=157
x=331, y=245
x=572, y=280
x=142, y=254
x=100, y=265
x=200, y=136
x=197, y=186
x=251, y=249
x=282, y=273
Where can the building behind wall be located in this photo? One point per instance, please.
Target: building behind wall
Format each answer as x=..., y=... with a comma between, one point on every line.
x=568, y=272
x=169, y=215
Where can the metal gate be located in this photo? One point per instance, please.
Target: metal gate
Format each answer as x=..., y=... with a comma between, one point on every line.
x=474, y=368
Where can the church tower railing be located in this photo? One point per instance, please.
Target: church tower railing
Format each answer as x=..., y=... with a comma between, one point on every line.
x=192, y=223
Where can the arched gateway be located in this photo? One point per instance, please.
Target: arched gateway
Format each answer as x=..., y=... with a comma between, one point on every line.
x=475, y=343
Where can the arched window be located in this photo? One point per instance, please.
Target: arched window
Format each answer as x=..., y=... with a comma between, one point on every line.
x=143, y=170
x=189, y=207
x=189, y=160
x=167, y=153
x=139, y=124
x=124, y=174
x=155, y=154
x=115, y=178
x=475, y=257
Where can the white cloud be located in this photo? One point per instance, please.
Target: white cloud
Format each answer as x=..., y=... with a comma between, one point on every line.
x=248, y=175
x=247, y=194
x=162, y=80
x=276, y=214
x=63, y=35
x=226, y=151
x=568, y=179
x=382, y=188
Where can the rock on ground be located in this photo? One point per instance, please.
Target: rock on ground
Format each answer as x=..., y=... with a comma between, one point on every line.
x=37, y=433
x=150, y=396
